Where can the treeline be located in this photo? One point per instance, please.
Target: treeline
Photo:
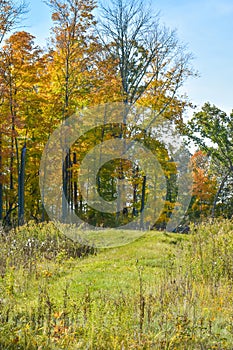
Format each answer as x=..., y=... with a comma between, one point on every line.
x=123, y=54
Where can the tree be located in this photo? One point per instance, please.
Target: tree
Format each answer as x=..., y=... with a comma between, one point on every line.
x=69, y=68
x=212, y=131
x=204, y=185
x=20, y=67
x=137, y=61
x=148, y=55
x=10, y=16
x=151, y=63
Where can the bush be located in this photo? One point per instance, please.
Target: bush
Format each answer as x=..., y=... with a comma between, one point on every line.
x=32, y=242
x=210, y=251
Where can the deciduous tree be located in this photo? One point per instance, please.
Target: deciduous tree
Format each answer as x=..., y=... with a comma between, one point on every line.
x=212, y=131
x=20, y=106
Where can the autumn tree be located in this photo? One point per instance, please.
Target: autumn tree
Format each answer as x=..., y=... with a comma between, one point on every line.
x=19, y=75
x=151, y=63
x=10, y=16
x=212, y=131
x=68, y=67
x=149, y=55
x=126, y=56
x=204, y=185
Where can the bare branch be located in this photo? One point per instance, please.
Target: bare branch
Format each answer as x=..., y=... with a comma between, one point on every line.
x=145, y=50
x=11, y=14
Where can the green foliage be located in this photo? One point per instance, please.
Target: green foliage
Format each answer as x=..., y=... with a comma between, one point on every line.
x=211, y=252
x=211, y=129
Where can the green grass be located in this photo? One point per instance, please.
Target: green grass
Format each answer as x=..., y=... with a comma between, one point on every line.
x=108, y=238
x=161, y=291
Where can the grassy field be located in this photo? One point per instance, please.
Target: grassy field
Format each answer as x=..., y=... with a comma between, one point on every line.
x=162, y=291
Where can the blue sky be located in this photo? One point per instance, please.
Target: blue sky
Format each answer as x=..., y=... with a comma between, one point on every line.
x=205, y=25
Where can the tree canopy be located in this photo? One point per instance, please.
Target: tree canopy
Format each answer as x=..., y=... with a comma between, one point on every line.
x=99, y=53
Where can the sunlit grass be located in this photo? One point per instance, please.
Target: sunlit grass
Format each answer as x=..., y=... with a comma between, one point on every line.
x=162, y=291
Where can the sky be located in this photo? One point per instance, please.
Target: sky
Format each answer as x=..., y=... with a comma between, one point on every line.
x=206, y=26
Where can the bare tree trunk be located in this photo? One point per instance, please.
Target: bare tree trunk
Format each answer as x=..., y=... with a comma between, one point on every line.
x=143, y=202
x=13, y=142
x=217, y=195
x=75, y=195
x=21, y=185
x=1, y=181
x=135, y=190
x=66, y=163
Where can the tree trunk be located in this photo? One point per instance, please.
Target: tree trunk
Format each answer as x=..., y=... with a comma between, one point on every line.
x=135, y=191
x=1, y=184
x=217, y=195
x=143, y=202
x=21, y=180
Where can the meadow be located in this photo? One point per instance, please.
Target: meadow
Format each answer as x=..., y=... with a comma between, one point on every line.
x=162, y=291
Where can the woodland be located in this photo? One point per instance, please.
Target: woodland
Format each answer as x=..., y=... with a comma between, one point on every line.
x=99, y=54
x=159, y=290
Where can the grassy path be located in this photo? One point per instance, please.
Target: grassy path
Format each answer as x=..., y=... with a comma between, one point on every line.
x=162, y=291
